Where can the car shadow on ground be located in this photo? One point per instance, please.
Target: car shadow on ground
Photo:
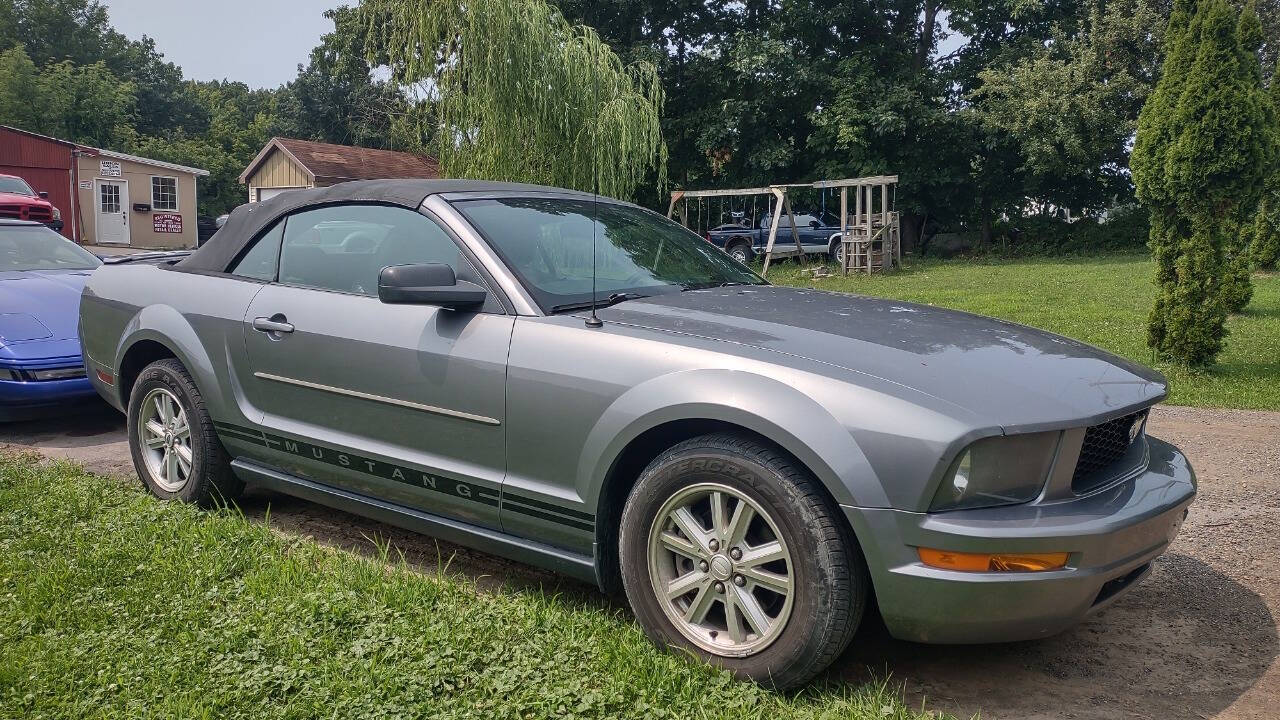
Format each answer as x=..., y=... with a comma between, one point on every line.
x=92, y=434
x=1185, y=643
x=88, y=424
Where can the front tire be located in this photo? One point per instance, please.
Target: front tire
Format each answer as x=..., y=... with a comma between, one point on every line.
x=836, y=251
x=733, y=553
x=175, y=449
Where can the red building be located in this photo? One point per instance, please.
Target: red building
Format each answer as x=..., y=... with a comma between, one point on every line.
x=48, y=165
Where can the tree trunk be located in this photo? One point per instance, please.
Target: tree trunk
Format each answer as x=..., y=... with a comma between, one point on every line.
x=912, y=227
x=925, y=45
x=988, y=233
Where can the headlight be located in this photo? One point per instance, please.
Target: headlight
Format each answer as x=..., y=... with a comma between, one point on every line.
x=57, y=214
x=9, y=374
x=1003, y=470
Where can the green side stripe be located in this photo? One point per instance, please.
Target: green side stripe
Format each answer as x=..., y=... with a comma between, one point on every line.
x=585, y=527
x=411, y=476
x=512, y=497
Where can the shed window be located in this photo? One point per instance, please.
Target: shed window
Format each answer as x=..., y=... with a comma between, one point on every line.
x=164, y=193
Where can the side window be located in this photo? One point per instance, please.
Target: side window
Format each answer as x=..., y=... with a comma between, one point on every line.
x=261, y=260
x=344, y=247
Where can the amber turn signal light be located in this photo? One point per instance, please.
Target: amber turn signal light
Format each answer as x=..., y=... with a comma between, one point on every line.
x=992, y=562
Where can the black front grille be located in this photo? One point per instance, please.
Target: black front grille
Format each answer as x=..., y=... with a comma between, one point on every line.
x=1104, y=445
x=38, y=213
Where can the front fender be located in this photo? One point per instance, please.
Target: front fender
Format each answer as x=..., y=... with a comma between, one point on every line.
x=778, y=411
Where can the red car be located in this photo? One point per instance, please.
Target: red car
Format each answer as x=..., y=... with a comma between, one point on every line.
x=19, y=202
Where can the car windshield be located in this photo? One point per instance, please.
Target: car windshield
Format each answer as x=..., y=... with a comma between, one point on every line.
x=16, y=185
x=39, y=248
x=548, y=243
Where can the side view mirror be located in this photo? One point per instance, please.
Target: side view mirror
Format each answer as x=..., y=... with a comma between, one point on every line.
x=815, y=224
x=427, y=284
x=44, y=194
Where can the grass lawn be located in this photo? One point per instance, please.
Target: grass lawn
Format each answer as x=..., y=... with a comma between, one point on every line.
x=1100, y=300
x=115, y=605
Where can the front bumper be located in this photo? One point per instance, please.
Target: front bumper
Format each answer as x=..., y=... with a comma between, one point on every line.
x=25, y=399
x=1112, y=537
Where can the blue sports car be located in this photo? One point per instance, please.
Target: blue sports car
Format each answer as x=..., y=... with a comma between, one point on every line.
x=41, y=276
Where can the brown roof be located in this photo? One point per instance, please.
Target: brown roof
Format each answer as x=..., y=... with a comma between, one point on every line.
x=335, y=163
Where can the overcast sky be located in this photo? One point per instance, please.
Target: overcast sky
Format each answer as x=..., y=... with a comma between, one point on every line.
x=258, y=42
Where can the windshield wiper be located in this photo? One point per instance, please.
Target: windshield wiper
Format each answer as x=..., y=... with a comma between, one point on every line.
x=613, y=299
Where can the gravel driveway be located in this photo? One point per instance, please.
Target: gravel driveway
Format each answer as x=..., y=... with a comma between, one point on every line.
x=1197, y=639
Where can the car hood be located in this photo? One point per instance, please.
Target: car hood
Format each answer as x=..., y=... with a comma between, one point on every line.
x=6, y=197
x=1006, y=374
x=39, y=313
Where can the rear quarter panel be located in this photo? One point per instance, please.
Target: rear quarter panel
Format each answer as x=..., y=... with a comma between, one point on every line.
x=198, y=317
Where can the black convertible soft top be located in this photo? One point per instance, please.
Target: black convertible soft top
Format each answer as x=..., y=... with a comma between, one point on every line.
x=246, y=221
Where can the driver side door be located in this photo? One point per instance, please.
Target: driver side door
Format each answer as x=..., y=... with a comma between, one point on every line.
x=401, y=402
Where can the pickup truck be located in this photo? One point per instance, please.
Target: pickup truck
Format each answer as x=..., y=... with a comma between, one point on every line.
x=818, y=234
x=19, y=202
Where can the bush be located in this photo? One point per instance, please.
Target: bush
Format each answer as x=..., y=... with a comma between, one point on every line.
x=1124, y=231
x=1189, y=319
x=1204, y=145
x=1237, y=287
x=1264, y=235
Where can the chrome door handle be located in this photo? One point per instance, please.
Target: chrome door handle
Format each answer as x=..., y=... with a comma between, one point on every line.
x=268, y=325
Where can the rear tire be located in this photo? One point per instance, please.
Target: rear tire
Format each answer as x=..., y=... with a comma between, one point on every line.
x=175, y=449
x=741, y=252
x=775, y=599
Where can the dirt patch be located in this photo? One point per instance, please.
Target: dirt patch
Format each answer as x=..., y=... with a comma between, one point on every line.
x=1196, y=639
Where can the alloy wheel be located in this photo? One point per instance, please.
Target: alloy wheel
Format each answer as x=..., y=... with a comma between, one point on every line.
x=164, y=435
x=720, y=569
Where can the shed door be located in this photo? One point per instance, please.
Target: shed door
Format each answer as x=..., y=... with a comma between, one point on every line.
x=113, y=216
x=268, y=193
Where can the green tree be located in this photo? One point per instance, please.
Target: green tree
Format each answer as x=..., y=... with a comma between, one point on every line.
x=1237, y=286
x=240, y=122
x=1071, y=106
x=1263, y=234
x=1202, y=148
x=85, y=103
x=523, y=95
x=80, y=31
x=336, y=99
x=19, y=101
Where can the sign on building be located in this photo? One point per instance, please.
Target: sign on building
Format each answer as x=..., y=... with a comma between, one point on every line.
x=166, y=223
x=109, y=168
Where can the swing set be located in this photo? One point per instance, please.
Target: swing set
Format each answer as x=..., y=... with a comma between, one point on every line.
x=776, y=202
x=869, y=237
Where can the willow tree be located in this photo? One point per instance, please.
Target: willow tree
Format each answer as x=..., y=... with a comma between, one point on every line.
x=518, y=93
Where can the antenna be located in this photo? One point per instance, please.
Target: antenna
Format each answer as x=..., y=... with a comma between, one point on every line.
x=594, y=321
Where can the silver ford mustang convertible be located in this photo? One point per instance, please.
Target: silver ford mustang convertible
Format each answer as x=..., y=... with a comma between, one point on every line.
x=752, y=465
